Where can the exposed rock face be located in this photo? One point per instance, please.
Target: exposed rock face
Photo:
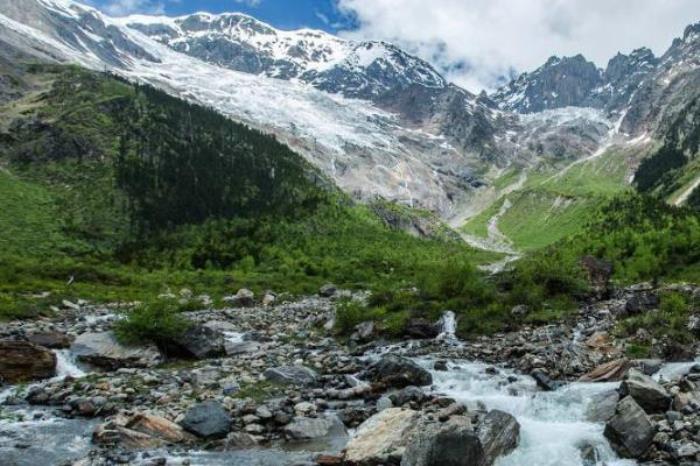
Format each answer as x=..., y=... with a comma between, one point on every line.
x=382, y=438
x=648, y=393
x=103, y=350
x=630, y=431
x=22, y=361
x=140, y=431
x=602, y=407
x=207, y=420
x=399, y=372
x=612, y=371
x=291, y=375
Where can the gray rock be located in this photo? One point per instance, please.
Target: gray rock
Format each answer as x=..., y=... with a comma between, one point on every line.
x=648, y=393
x=406, y=395
x=291, y=375
x=328, y=290
x=243, y=298
x=602, y=406
x=307, y=428
x=399, y=372
x=648, y=366
x=630, y=430
x=22, y=361
x=207, y=420
x=543, y=380
x=202, y=342
x=499, y=433
x=453, y=443
x=641, y=302
x=103, y=350
x=421, y=329
x=363, y=331
x=53, y=340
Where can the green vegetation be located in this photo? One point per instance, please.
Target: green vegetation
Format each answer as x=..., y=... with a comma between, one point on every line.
x=671, y=320
x=157, y=321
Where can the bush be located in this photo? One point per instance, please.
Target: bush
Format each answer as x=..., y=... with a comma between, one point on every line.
x=671, y=319
x=157, y=321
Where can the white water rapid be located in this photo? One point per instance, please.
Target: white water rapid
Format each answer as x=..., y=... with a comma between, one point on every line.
x=448, y=326
x=554, y=425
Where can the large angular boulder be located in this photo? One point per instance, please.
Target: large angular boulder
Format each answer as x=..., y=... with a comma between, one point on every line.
x=103, y=350
x=397, y=371
x=202, y=341
x=630, y=431
x=421, y=329
x=22, y=361
x=453, y=443
x=140, y=431
x=499, y=434
x=207, y=420
x=243, y=298
x=647, y=392
x=291, y=375
x=308, y=428
x=382, y=438
x=602, y=406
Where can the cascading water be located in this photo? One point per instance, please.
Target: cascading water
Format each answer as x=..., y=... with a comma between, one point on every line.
x=554, y=425
x=448, y=326
x=66, y=366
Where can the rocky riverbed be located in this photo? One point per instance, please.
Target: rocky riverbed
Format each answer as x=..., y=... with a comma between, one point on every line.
x=265, y=382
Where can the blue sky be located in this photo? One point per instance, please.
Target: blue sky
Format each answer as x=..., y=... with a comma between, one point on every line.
x=283, y=14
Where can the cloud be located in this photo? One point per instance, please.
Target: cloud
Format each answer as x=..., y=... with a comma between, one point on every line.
x=251, y=3
x=127, y=7
x=479, y=42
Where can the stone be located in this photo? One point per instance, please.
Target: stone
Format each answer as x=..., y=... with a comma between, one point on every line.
x=291, y=375
x=111, y=434
x=207, y=420
x=22, y=361
x=269, y=298
x=440, y=365
x=647, y=392
x=236, y=440
x=641, y=302
x=52, y=340
x=202, y=342
x=103, y=350
x=499, y=433
x=421, y=329
x=602, y=406
x=363, y=331
x=453, y=443
x=397, y=371
x=520, y=310
x=328, y=290
x=406, y=395
x=612, y=371
x=630, y=431
x=159, y=427
x=307, y=428
x=381, y=438
x=648, y=366
x=543, y=380
x=243, y=298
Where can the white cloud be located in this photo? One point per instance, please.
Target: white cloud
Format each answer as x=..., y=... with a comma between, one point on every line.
x=478, y=41
x=252, y=3
x=127, y=7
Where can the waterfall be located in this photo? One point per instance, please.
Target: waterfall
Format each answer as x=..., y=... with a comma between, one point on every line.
x=448, y=326
x=66, y=365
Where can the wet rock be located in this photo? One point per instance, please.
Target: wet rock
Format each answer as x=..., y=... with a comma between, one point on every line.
x=630, y=430
x=499, y=433
x=52, y=340
x=407, y=395
x=103, y=350
x=291, y=375
x=453, y=443
x=421, y=329
x=648, y=393
x=202, y=342
x=381, y=438
x=648, y=366
x=440, y=365
x=307, y=428
x=399, y=372
x=22, y=361
x=612, y=371
x=236, y=440
x=207, y=420
x=544, y=381
x=602, y=406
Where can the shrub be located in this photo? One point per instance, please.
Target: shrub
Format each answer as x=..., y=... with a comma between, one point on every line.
x=157, y=321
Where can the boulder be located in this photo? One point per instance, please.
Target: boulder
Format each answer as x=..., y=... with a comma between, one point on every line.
x=648, y=366
x=612, y=371
x=544, y=381
x=630, y=431
x=22, y=361
x=291, y=375
x=453, y=443
x=363, y=331
x=207, y=420
x=158, y=427
x=202, y=342
x=641, y=302
x=397, y=371
x=140, y=431
x=422, y=329
x=328, y=290
x=499, y=434
x=111, y=434
x=243, y=298
x=308, y=428
x=53, y=340
x=602, y=406
x=103, y=350
x=381, y=438
x=647, y=392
